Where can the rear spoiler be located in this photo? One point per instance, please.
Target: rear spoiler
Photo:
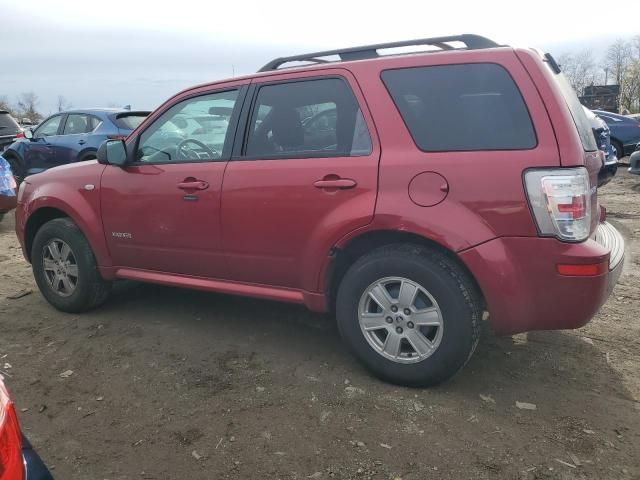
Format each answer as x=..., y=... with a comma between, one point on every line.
x=139, y=113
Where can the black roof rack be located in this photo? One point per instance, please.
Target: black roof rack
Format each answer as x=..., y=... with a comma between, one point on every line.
x=471, y=41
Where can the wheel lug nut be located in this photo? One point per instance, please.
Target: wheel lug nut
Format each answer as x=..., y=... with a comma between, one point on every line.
x=394, y=308
x=410, y=324
x=399, y=329
x=389, y=320
x=407, y=311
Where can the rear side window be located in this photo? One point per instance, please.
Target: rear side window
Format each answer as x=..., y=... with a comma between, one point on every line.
x=577, y=112
x=310, y=118
x=76, y=124
x=461, y=107
x=129, y=121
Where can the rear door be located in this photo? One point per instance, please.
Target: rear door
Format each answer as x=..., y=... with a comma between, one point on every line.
x=161, y=212
x=74, y=138
x=298, y=180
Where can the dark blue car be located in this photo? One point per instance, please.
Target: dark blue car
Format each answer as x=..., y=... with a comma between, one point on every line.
x=624, y=131
x=67, y=137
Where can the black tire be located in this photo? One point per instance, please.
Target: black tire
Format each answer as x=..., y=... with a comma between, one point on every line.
x=88, y=156
x=456, y=295
x=619, y=149
x=16, y=168
x=91, y=289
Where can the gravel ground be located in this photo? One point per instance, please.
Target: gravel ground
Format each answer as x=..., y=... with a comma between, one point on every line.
x=164, y=383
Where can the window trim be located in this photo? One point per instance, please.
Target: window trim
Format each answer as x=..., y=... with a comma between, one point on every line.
x=229, y=141
x=240, y=145
x=526, y=107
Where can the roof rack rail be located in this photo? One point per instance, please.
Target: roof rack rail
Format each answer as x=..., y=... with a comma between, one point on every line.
x=471, y=41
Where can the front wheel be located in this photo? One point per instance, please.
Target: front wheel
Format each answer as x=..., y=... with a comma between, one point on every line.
x=410, y=314
x=65, y=268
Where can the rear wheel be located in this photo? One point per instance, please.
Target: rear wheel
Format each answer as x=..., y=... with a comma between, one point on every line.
x=65, y=268
x=410, y=314
x=619, y=150
x=87, y=156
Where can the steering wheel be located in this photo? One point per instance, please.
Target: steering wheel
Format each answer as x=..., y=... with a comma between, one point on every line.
x=183, y=152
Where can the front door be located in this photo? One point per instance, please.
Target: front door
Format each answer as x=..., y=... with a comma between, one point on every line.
x=162, y=211
x=305, y=176
x=39, y=152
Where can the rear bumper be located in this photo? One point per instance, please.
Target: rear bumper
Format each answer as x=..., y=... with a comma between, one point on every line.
x=523, y=290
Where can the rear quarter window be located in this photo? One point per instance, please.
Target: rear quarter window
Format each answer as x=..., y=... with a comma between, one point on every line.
x=582, y=124
x=129, y=121
x=461, y=107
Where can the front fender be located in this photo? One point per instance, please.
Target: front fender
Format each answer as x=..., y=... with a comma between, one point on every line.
x=78, y=197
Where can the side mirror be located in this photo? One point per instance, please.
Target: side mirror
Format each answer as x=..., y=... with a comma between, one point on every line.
x=112, y=152
x=28, y=134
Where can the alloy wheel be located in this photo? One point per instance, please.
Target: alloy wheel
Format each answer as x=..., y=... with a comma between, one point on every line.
x=400, y=320
x=60, y=267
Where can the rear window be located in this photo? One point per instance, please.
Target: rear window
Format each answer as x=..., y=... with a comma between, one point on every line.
x=461, y=107
x=577, y=112
x=129, y=121
x=8, y=126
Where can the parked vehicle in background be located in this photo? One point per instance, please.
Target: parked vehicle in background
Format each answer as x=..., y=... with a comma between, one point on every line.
x=412, y=213
x=7, y=188
x=9, y=129
x=634, y=161
x=18, y=459
x=624, y=132
x=68, y=137
x=26, y=123
x=603, y=140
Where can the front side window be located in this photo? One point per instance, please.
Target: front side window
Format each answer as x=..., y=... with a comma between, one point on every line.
x=192, y=130
x=461, y=107
x=49, y=127
x=76, y=123
x=311, y=118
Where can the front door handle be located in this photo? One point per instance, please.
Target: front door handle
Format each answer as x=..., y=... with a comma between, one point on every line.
x=193, y=185
x=341, y=183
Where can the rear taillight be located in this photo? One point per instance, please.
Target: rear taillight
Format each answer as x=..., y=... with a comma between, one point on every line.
x=11, y=466
x=19, y=135
x=561, y=202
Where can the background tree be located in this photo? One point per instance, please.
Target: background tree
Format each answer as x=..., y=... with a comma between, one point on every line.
x=63, y=104
x=27, y=104
x=5, y=105
x=580, y=69
x=618, y=59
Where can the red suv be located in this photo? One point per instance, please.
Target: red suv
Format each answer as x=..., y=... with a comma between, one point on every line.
x=407, y=193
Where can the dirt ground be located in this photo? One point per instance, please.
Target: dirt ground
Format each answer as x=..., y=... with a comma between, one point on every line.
x=176, y=384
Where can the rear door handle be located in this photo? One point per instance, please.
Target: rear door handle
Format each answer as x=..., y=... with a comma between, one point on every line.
x=82, y=142
x=341, y=183
x=193, y=185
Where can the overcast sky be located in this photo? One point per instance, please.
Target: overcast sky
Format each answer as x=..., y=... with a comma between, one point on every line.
x=141, y=52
